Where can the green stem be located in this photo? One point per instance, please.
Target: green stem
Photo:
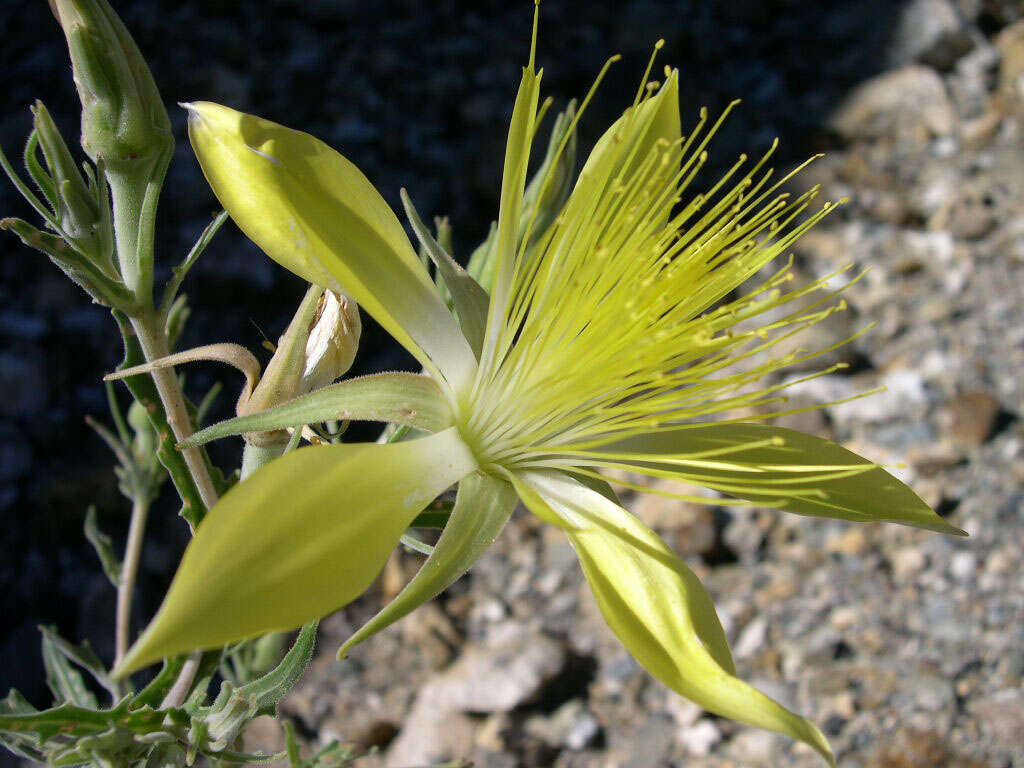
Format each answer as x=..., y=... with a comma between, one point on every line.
x=129, y=569
x=256, y=456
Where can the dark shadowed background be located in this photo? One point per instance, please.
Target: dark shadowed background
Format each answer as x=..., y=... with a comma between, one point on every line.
x=417, y=95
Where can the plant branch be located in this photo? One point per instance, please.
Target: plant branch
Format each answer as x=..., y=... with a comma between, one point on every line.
x=129, y=570
x=154, y=346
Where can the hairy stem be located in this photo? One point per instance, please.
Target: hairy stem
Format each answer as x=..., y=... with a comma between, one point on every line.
x=129, y=569
x=154, y=346
x=153, y=341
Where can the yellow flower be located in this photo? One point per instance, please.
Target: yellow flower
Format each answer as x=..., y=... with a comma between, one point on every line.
x=605, y=341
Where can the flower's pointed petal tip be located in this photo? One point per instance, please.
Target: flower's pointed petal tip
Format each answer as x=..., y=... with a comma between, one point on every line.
x=482, y=507
x=941, y=526
x=139, y=656
x=280, y=578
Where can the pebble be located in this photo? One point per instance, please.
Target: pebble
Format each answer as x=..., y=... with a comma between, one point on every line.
x=698, y=739
x=910, y=102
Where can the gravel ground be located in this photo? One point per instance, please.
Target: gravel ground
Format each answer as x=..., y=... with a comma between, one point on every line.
x=906, y=647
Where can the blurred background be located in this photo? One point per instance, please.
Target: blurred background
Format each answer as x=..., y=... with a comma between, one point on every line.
x=906, y=648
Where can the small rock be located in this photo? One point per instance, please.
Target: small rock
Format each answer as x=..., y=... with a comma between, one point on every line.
x=571, y=726
x=647, y=746
x=932, y=32
x=752, y=638
x=507, y=670
x=499, y=675
x=683, y=711
x=1002, y=716
x=698, y=739
x=907, y=562
x=963, y=565
x=1010, y=43
x=752, y=746
x=915, y=748
x=852, y=541
x=973, y=418
x=909, y=103
x=263, y=734
x=844, y=617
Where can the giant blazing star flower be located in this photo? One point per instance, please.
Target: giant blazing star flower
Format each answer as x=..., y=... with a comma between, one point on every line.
x=603, y=344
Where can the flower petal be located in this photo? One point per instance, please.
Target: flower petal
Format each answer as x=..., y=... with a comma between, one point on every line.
x=659, y=610
x=315, y=213
x=513, y=186
x=779, y=467
x=299, y=539
x=469, y=299
x=482, y=508
x=633, y=136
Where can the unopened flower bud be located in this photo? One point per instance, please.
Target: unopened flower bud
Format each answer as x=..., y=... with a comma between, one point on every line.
x=123, y=117
x=76, y=208
x=333, y=341
x=317, y=347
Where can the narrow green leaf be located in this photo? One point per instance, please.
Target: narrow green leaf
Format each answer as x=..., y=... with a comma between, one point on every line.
x=402, y=398
x=482, y=508
x=179, y=273
x=298, y=539
x=157, y=688
x=63, y=680
x=104, y=547
x=35, y=169
x=82, y=655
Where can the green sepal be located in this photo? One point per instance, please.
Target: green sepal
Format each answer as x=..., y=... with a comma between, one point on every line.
x=43, y=180
x=401, y=398
x=469, y=298
x=482, y=507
